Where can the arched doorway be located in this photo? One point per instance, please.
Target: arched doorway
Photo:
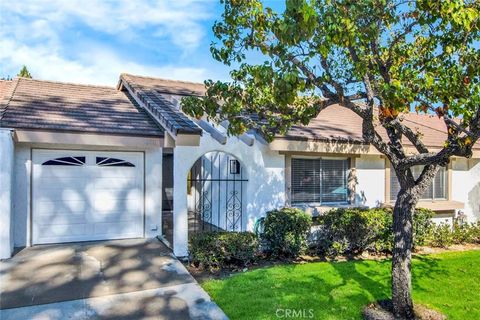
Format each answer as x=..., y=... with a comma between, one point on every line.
x=215, y=192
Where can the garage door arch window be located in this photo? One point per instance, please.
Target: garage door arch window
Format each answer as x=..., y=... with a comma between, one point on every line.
x=65, y=161
x=113, y=162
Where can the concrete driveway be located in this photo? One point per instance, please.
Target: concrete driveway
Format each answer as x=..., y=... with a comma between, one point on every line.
x=121, y=279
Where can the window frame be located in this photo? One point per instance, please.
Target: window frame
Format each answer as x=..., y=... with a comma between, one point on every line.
x=320, y=194
x=67, y=161
x=390, y=198
x=103, y=161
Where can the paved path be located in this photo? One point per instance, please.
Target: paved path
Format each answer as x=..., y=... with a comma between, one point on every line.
x=123, y=279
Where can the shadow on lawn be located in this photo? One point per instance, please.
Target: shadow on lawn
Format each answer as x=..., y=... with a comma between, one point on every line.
x=341, y=288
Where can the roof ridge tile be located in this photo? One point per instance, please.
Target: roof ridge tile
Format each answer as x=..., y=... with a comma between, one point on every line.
x=162, y=79
x=67, y=83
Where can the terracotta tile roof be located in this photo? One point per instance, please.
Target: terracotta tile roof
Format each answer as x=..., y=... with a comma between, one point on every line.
x=5, y=92
x=333, y=123
x=161, y=98
x=48, y=105
x=175, y=87
x=337, y=123
x=4, y=87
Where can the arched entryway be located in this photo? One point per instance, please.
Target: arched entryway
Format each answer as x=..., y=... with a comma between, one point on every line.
x=215, y=193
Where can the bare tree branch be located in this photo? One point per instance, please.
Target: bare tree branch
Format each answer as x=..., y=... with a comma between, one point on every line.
x=411, y=136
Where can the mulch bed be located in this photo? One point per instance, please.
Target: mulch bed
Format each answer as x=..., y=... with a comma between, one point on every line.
x=382, y=310
x=202, y=275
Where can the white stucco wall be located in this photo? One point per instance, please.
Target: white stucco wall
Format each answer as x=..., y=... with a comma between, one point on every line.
x=370, y=189
x=466, y=186
x=6, y=186
x=21, y=200
x=265, y=190
x=153, y=192
x=21, y=189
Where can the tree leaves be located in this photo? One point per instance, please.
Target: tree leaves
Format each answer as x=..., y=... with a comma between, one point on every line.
x=418, y=54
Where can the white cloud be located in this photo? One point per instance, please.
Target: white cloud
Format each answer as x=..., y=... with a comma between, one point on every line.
x=103, y=67
x=179, y=19
x=31, y=33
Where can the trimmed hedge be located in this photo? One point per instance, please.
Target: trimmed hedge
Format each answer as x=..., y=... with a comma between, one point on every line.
x=444, y=235
x=285, y=232
x=220, y=250
x=422, y=226
x=355, y=230
x=339, y=231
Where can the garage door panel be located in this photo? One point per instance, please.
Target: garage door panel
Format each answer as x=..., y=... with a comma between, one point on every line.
x=60, y=171
x=63, y=230
x=61, y=219
x=58, y=193
x=62, y=182
x=114, y=216
x=115, y=187
x=87, y=202
x=111, y=228
x=107, y=199
x=51, y=209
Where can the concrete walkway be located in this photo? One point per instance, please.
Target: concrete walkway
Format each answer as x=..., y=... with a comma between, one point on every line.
x=122, y=279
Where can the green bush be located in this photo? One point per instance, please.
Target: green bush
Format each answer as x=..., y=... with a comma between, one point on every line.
x=462, y=233
x=355, y=230
x=442, y=236
x=422, y=226
x=218, y=250
x=285, y=232
x=475, y=232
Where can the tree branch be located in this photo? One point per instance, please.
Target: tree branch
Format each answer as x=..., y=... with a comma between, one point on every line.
x=411, y=136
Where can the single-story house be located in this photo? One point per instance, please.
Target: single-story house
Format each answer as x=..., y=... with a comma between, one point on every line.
x=82, y=162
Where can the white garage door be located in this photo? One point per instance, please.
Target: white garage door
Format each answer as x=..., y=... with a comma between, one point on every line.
x=86, y=195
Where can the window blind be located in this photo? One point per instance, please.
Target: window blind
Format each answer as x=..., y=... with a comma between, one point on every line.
x=436, y=190
x=305, y=180
x=319, y=180
x=334, y=180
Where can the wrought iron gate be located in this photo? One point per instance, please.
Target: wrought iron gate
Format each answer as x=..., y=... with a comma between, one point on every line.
x=216, y=184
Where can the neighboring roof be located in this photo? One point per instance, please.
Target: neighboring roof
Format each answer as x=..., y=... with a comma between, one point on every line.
x=5, y=91
x=4, y=87
x=337, y=123
x=159, y=96
x=333, y=123
x=48, y=105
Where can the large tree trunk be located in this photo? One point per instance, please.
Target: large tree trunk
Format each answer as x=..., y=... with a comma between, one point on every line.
x=402, y=255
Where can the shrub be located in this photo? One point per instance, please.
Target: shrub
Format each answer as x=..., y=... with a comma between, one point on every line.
x=218, y=250
x=462, y=232
x=442, y=236
x=285, y=232
x=355, y=230
x=475, y=232
x=422, y=226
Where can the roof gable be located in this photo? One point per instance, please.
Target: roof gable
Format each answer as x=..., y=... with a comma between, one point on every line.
x=157, y=96
x=49, y=105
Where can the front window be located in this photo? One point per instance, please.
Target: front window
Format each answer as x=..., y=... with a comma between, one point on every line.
x=437, y=190
x=320, y=180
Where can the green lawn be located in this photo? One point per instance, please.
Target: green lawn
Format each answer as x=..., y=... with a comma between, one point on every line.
x=449, y=282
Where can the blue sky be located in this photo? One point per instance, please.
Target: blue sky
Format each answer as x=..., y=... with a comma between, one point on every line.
x=93, y=41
